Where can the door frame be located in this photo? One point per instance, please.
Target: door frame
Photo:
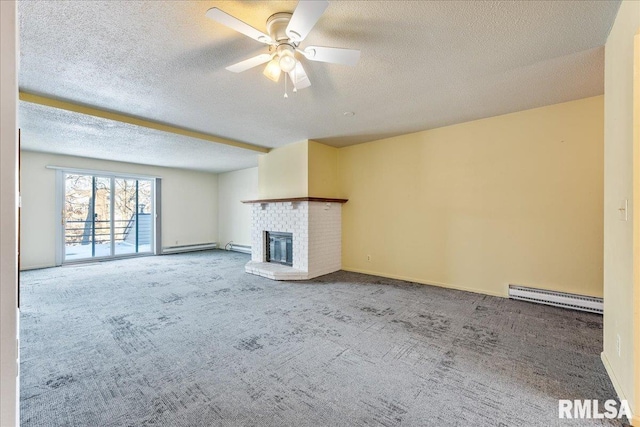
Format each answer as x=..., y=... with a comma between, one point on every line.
x=636, y=228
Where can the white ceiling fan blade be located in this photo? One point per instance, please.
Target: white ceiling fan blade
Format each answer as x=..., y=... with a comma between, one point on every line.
x=299, y=77
x=333, y=55
x=250, y=63
x=236, y=24
x=304, y=18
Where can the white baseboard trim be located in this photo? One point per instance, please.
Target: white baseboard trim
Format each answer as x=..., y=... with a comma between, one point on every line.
x=427, y=282
x=36, y=267
x=245, y=249
x=167, y=250
x=635, y=418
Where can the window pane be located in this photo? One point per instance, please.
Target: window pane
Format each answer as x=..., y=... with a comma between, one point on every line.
x=102, y=217
x=78, y=207
x=145, y=223
x=124, y=216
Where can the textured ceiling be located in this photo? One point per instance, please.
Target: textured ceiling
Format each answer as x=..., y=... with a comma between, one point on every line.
x=424, y=64
x=63, y=132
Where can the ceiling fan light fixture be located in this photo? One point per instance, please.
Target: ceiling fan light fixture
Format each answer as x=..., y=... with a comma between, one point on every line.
x=287, y=57
x=285, y=33
x=272, y=70
x=287, y=62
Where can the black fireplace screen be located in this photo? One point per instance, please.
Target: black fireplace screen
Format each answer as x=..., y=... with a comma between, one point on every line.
x=280, y=247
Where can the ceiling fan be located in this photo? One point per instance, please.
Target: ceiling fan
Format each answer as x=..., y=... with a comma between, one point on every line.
x=285, y=33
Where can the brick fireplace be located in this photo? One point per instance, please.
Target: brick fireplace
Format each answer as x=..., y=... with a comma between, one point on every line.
x=315, y=225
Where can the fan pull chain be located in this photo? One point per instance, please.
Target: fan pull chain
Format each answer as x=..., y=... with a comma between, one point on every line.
x=295, y=79
x=285, y=86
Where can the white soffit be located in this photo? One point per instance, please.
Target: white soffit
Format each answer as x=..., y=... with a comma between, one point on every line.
x=424, y=64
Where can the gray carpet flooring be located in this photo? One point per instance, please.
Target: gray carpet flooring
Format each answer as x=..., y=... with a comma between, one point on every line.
x=192, y=340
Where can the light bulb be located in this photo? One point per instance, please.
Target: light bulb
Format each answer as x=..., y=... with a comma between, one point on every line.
x=287, y=62
x=272, y=70
x=287, y=58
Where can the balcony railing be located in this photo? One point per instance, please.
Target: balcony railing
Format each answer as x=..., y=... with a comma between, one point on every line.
x=80, y=232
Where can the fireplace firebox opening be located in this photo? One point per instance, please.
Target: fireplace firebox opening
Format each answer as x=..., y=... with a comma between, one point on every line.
x=279, y=247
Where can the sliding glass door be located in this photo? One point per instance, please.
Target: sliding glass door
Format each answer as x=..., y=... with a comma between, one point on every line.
x=107, y=216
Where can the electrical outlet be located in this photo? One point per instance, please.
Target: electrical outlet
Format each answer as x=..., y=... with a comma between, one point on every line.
x=368, y=258
x=618, y=344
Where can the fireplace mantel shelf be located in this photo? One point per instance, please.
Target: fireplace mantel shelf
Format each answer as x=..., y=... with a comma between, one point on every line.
x=298, y=199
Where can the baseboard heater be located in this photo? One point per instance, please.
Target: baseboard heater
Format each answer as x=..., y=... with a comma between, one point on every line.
x=188, y=248
x=558, y=299
x=239, y=248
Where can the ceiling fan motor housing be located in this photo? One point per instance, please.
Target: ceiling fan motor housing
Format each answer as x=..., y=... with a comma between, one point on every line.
x=277, y=25
x=285, y=49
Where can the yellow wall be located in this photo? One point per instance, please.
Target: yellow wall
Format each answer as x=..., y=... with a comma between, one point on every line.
x=323, y=170
x=189, y=203
x=303, y=169
x=618, y=178
x=283, y=172
x=479, y=205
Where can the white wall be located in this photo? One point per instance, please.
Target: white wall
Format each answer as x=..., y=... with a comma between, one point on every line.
x=234, y=217
x=189, y=203
x=618, y=186
x=8, y=215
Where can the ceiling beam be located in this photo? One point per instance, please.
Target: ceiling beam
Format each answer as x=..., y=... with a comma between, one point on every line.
x=119, y=117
